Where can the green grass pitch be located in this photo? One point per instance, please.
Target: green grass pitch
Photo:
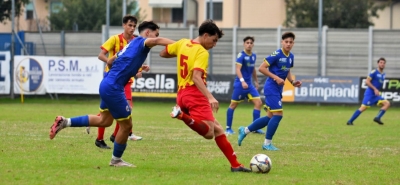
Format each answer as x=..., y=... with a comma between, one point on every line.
x=316, y=147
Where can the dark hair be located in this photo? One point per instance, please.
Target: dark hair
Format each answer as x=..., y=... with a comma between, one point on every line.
x=129, y=18
x=148, y=25
x=247, y=38
x=288, y=35
x=208, y=26
x=381, y=59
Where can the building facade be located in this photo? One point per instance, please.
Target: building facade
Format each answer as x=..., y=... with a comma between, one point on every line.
x=171, y=13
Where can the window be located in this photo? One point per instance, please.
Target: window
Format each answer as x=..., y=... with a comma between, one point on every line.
x=55, y=6
x=177, y=15
x=29, y=11
x=217, y=10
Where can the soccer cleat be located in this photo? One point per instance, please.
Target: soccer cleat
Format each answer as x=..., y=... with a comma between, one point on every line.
x=241, y=135
x=134, y=137
x=112, y=138
x=269, y=147
x=241, y=168
x=176, y=111
x=377, y=120
x=59, y=123
x=88, y=130
x=229, y=131
x=349, y=123
x=259, y=131
x=120, y=163
x=101, y=144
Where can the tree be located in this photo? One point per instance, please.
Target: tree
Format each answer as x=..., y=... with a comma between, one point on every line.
x=336, y=13
x=88, y=15
x=5, y=9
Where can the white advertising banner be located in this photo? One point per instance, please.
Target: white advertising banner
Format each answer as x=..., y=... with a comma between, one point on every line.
x=66, y=75
x=5, y=84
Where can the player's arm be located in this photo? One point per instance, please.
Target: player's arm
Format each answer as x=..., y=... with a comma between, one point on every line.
x=295, y=83
x=369, y=84
x=240, y=75
x=151, y=42
x=111, y=60
x=171, y=50
x=107, y=46
x=199, y=83
x=265, y=71
x=103, y=55
x=164, y=53
x=255, y=79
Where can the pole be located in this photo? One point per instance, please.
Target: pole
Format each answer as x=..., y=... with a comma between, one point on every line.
x=107, y=18
x=319, y=36
x=185, y=4
x=123, y=8
x=211, y=50
x=12, y=49
x=370, y=47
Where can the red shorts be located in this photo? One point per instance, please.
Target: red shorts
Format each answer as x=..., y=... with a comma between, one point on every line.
x=194, y=103
x=128, y=92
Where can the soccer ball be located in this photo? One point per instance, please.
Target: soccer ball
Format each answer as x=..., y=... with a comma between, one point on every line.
x=260, y=163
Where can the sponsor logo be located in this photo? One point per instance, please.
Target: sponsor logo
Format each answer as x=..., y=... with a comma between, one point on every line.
x=327, y=92
x=29, y=75
x=219, y=87
x=158, y=83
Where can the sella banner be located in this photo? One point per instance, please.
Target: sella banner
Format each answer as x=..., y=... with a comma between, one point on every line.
x=390, y=90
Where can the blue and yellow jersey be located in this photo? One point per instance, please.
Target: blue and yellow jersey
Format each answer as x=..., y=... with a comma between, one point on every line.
x=128, y=62
x=248, y=62
x=190, y=56
x=377, y=80
x=279, y=64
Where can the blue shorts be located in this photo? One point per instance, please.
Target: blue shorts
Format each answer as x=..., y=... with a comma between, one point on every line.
x=274, y=103
x=372, y=100
x=239, y=94
x=113, y=100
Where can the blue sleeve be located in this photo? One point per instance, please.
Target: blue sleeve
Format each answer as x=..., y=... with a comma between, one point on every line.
x=239, y=58
x=271, y=59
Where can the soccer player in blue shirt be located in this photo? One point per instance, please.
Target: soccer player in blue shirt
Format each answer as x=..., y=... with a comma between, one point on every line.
x=243, y=85
x=277, y=68
x=113, y=103
x=372, y=95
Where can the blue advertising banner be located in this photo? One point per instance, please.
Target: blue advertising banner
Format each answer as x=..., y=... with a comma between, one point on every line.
x=327, y=89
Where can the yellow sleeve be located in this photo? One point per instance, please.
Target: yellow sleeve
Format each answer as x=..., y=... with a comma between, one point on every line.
x=173, y=48
x=109, y=45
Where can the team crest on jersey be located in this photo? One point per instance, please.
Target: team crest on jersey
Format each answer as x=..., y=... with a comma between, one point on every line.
x=252, y=58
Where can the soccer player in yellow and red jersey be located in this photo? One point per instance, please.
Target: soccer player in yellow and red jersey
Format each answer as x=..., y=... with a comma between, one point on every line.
x=195, y=104
x=112, y=46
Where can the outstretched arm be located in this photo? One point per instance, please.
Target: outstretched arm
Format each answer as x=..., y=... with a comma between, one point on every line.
x=151, y=42
x=165, y=54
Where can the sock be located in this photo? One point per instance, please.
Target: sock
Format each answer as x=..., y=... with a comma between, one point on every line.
x=259, y=123
x=229, y=117
x=256, y=114
x=118, y=149
x=81, y=121
x=116, y=130
x=267, y=141
x=246, y=130
x=198, y=126
x=100, y=133
x=380, y=113
x=227, y=149
x=272, y=126
x=355, y=115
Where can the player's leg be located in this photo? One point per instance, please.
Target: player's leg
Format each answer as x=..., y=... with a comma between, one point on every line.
x=275, y=105
x=225, y=146
x=185, y=100
x=254, y=126
x=254, y=96
x=385, y=105
x=237, y=97
x=229, y=117
x=366, y=103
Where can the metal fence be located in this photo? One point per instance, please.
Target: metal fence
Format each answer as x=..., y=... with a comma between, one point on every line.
x=345, y=52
